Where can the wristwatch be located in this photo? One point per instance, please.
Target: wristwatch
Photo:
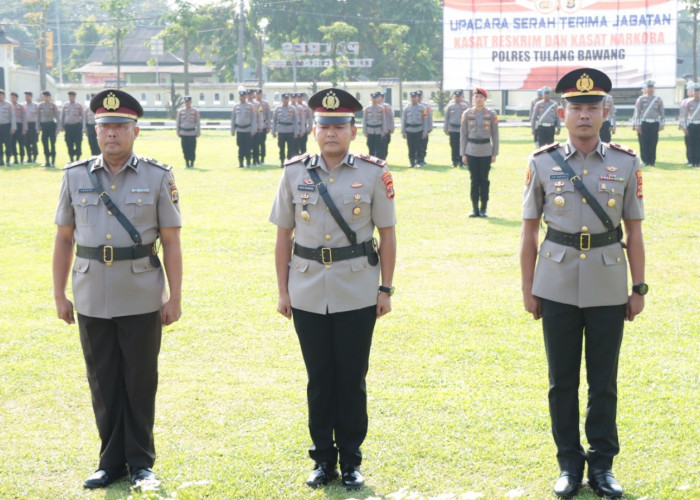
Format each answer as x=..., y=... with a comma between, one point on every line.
x=641, y=288
x=389, y=290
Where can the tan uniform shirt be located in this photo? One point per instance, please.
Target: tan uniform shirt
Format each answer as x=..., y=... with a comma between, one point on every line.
x=244, y=118
x=414, y=119
x=373, y=121
x=89, y=119
x=285, y=120
x=649, y=109
x=389, y=117
x=609, y=103
x=47, y=112
x=545, y=114
x=348, y=284
x=479, y=126
x=187, y=122
x=453, y=116
x=20, y=115
x=32, y=112
x=145, y=191
x=7, y=115
x=691, y=113
x=71, y=114
x=595, y=277
x=266, y=115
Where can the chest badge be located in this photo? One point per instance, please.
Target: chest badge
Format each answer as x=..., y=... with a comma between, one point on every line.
x=559, y=185
x=557, y=168
x=611, y=169
x=308, y=181
x=305, y=213
x=559, y=201
x=356, y=185
x=611, y=202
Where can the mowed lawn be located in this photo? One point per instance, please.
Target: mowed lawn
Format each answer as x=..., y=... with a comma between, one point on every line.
x=458, y=378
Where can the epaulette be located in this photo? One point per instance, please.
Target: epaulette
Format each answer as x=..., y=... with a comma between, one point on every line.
x=301, y=157
x=154, y=162
x=372, y=159
x=79, y=162
x=546, y=148
x=622, y=148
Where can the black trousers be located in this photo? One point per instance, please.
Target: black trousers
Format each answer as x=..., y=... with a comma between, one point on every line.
x=30, y=141
x=374, y=145
x=121, y=356
x=648, y=141
x=385, y=146
x=243, y=141
x=92, y=140
x=565, y=327
x=189, y=147
x=693, y=144
x=260, y=139
x=544, y=135
x=285, y=139
x=454, y=148
x=423, y=148
x=303, y=140
x=479, y=167
x=5, y=142
x=605, y=135
x=414, y=143
x=74, y=140
x=336, y=354
x=48, y=139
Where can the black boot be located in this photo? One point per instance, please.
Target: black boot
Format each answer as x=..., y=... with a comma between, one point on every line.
x=482, y=212
x=475, y=211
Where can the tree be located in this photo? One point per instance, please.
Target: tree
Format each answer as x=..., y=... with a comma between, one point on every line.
x=336, y=34
x=181, y=32
x=394, y=36
x=693, y=7
x=121, y=19
x=36, y=19
x=87, y=37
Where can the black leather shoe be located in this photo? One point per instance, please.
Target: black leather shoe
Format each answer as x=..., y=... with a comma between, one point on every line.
x=568, y=484
x=102, y=478
x=352, y=478
x=322, y=474
x=483, y=213
x=603, y=483
x=143, y=478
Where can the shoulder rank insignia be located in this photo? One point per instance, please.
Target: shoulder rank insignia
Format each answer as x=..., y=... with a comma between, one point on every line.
x=301, y=157
x=372, y=159
x=79, y=162
x=546, y=148
x=154, y=162
x=622, y=148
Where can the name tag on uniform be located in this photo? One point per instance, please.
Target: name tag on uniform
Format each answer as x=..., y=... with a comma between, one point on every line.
x=86, y=190
x=140, y=190
x=558, y=176
x=304, y=187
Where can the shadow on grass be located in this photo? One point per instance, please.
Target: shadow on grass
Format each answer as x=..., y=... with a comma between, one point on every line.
x=504, y=222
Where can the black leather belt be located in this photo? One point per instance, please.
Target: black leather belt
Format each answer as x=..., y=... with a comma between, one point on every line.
x=108, y=254
x=183, y=128
x=285, y=123
x=325, y=255
x=374, y=126
x=479, y=141
x=584, y=241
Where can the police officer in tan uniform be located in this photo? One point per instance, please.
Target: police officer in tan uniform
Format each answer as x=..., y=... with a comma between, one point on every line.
x=374, y=126
x=114, y=207
x=414, y=128
x=649, y=119
x=70, y=122
x=244, y=125
x=584, y=189
x=285, y=127
x=328, y=267
x=17, y=141
x=452, y=125
x=690, y=124
x=478, y=143
x=390, y=125
x=264, y=125
x=7, y=128
x=31, y=137
x=545, y=120
x=188, y=129
x=90, y=131
x=610, y=122
x=47, y=114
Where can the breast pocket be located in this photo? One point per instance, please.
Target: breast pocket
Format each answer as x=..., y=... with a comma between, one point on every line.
x=139, y=208
x=611, y=196
x=356, y=206
x=85, y=206
x=306, y=208
x=560, y=196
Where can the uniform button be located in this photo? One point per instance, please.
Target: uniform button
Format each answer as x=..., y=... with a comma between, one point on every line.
x=109, y=212
x=619, y=259
x=109, y=236
x=328, y=266
x=585, y=172
x=549, y=254
x=612, y=190
x=583, y=256
x=328, y=237
x=584, y=200
x=83, y=201
x=331, y=180
x=139, y=200
x=113, y=187
x=584, y=229
x=296, y=266
x=328, y=209
x=78, y=267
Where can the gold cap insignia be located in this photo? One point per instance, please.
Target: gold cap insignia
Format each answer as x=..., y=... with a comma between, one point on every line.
x=111, y=102
x=330, y=101
x=584, y=83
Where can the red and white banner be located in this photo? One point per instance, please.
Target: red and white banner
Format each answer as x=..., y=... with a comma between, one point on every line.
x=526, y=44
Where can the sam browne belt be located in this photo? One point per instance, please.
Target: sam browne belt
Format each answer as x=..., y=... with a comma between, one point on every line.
x=108, y=254
x=478, y=141
x=584, y=241
x=325, y=255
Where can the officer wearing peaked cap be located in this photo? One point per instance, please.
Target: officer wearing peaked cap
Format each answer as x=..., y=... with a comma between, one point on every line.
x=453, y=123
x=187, y=126
x=689, y=123
x=114, y=207
x=649, y=119
x=576, y=281
x=328, y=266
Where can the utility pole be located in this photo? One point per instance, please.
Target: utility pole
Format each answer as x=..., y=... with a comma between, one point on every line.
x=241, y=21
x=58, y=40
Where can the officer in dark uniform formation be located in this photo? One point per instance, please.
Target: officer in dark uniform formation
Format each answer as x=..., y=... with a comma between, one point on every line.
x=47, y=116
x=114, y=207
x=326, y=210
x=89, y=130
x=452, y=125
x=188, y=129
x=70, y=122
x=244, y=125
x=31, y=136
x=414, y=128
x=7, y=128
x=649, y=119
x=583, y=189
x=286, y=125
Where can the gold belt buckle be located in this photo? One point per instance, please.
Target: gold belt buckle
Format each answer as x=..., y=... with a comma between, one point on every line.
x=585, y=241
x=108, y=254
x=326, y=260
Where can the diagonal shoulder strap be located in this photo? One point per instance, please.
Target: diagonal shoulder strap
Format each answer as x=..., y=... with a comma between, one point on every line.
x=135, y=235
x=331, y=206
x=578, y=184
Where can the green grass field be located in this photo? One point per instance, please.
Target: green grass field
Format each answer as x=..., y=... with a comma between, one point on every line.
x=458, y=377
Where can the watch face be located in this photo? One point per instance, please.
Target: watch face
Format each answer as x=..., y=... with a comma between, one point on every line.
x=642, y=288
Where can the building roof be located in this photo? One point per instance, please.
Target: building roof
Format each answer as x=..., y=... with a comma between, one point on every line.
x=7, y=40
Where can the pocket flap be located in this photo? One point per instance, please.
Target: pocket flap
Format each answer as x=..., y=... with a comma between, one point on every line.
x=555, y=254
x=613, y=255
x=139, y=198
x=81, y=265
